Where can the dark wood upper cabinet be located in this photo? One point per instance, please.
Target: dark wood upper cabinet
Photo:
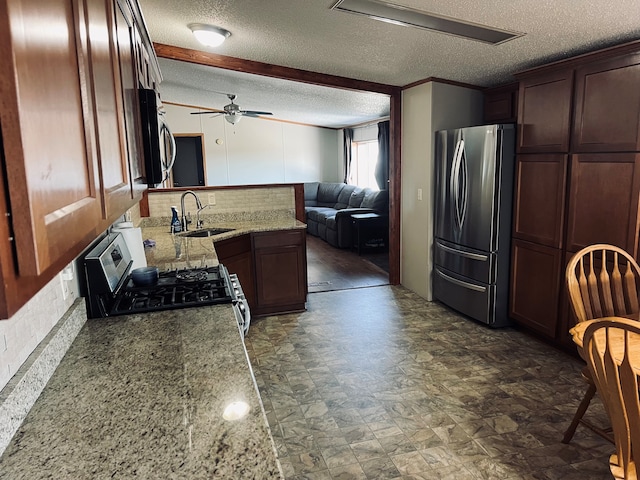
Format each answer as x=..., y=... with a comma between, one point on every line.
x=540, y=185
x=544, y=112
x=607, y=103
x=603, y=200
x=110, y=130
x=501, y=104
x=47, y=130
x=65, y=177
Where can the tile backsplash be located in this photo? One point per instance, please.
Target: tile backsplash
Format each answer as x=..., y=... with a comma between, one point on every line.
x=21, y=334
x=226, y=201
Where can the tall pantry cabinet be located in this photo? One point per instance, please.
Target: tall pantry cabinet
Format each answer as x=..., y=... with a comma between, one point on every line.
x=68, y=131
x=577, y=176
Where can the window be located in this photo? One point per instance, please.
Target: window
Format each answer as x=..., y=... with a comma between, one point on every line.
x=364, y=156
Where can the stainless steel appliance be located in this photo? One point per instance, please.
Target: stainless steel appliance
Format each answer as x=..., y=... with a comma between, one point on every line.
x=111, y=291
x=158, y=142
x=473, y=197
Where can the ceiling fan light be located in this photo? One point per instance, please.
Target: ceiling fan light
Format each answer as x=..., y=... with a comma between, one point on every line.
x=208, y=34
x=233, y=119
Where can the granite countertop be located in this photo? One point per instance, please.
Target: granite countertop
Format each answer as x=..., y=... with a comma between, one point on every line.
x=177, y=251
x=143, y=395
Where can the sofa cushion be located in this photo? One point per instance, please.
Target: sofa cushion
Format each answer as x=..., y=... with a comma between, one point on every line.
x=344, y=196
x=311, y=193
x=331, y=223
x=356, y=197
x=378, y=201
x=318, y=213
x=328, y=193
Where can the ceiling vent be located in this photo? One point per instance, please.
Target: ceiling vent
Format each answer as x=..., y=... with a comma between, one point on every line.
x=399, y=15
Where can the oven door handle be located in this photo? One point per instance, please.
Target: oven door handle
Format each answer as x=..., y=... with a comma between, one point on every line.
x=245, y=314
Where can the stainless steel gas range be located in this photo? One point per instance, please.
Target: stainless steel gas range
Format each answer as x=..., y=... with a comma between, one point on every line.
x=111, y=291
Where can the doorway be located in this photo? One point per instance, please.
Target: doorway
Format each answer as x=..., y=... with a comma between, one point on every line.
x=188, y=169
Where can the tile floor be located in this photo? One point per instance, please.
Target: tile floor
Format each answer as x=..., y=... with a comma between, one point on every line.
x=376, y=383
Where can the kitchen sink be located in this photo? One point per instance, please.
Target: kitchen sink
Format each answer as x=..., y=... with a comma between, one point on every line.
x=205, y=232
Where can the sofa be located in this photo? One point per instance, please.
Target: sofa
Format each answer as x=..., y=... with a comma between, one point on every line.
x=329, y=206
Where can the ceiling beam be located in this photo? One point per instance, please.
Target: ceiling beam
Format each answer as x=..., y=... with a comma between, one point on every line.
x=268, y=70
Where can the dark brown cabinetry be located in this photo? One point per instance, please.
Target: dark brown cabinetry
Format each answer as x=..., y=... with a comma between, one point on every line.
x=271, y=267
x=539, y=198
x=607, y=97
x=236, y=254
x=603, y=200
x=65, y=175
x=544, y=112
x=501, y=104
x=535, y=286
x=577, y=176
x=281, y=271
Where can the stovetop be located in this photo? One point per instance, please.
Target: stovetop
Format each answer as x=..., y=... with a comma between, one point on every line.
x=175, y=289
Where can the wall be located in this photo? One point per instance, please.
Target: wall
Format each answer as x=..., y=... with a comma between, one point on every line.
x=258, y=151
x=426, y=108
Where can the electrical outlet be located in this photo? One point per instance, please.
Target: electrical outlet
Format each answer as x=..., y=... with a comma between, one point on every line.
x=65, y=288
x=66, y=277
x=212, y=199
x=419, y=194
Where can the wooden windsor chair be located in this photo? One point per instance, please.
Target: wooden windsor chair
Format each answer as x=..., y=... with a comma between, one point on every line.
x=611, y=347
x=602, y=281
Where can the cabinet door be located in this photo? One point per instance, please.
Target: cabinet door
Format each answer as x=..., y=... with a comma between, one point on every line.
x=281, y=270
x=544, y=113
x=603, y=200
x=47, y=131
x=501, y=104
x=235, y=254
x=535, y=286
x=129, y=87
x=539, y=198
x=607, y=103
x=110, y=129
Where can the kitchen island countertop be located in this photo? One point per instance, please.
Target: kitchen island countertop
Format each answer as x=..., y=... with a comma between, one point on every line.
x=143, y=396
x=177, y=251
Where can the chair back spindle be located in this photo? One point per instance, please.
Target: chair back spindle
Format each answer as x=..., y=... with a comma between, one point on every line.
x=597, y=287
x=612, y=350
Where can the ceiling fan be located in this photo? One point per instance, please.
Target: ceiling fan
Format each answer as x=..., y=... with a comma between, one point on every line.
x=232, y=112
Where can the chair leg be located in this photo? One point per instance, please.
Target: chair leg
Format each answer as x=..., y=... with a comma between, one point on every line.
x=582, y=408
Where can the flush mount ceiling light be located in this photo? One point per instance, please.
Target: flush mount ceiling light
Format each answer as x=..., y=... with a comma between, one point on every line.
x=208, y=34
x=399, y=15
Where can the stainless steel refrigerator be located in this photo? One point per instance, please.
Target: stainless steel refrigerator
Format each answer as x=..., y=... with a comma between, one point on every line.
x=473, y=198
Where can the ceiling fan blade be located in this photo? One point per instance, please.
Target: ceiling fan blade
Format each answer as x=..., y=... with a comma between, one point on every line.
x=254, y=113
x=213, y=113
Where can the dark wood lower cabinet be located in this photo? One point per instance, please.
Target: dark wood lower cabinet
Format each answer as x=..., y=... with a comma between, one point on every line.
x=281, y=271
x=271, y=267
x=236, y=255
x=536, y=273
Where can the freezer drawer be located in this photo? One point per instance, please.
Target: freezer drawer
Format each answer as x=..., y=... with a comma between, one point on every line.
x=473, y=299
x=475, y=264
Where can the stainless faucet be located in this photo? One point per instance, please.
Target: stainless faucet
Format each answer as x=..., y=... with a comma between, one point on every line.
x=185, y=220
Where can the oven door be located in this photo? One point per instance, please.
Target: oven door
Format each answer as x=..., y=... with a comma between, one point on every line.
x=240, y=305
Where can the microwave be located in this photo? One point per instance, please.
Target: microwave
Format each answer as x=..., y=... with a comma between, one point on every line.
x=159, y=146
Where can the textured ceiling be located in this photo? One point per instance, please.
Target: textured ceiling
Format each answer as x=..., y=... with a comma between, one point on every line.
x=308, y=35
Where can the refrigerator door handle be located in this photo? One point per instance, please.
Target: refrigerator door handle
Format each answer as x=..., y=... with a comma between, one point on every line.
x=458, y=183
x=471, y=256
x=460, y=283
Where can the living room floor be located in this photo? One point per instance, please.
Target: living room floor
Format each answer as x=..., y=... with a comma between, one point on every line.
x=330, y=268
x=378, y=383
